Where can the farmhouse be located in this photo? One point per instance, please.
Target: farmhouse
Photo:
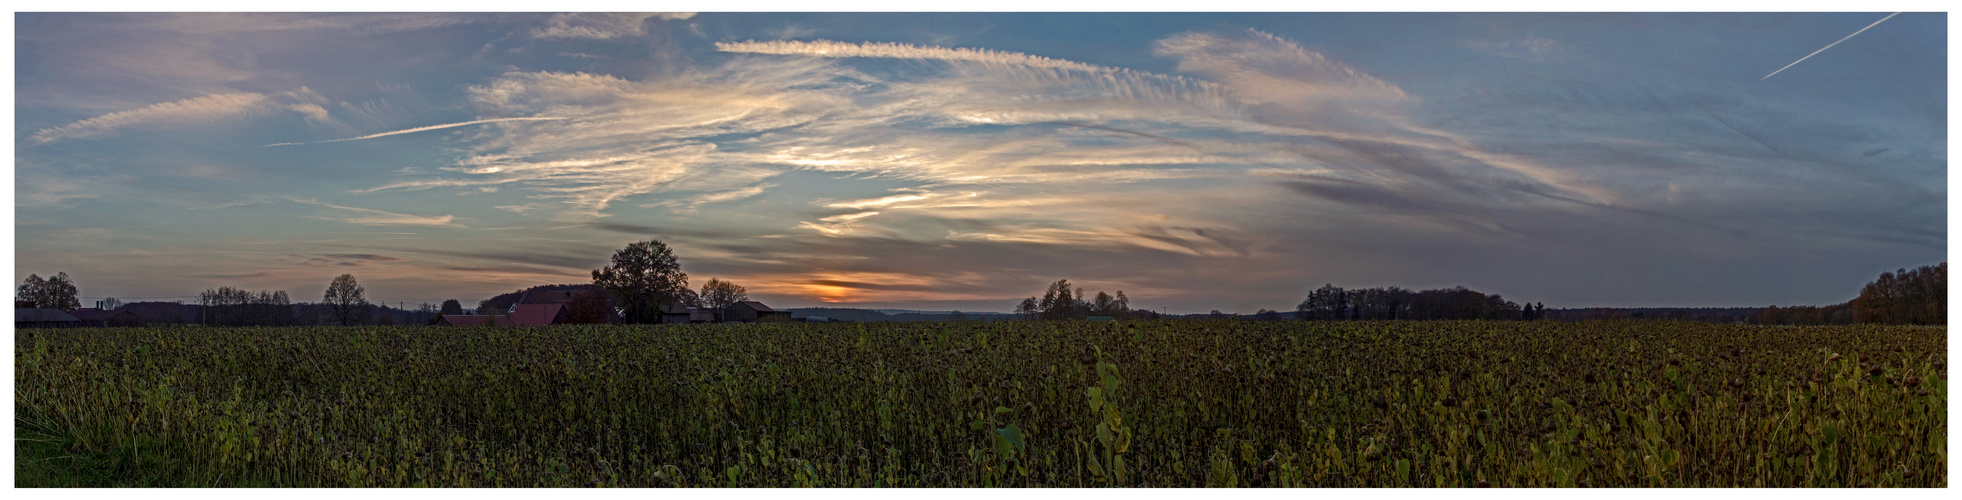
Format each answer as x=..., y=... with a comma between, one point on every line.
x=44, y=318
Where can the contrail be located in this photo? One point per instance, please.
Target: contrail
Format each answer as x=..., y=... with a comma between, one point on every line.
x=1823, y=49
x=420, y=129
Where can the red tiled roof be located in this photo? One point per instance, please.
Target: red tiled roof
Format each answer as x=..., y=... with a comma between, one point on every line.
x=536, y=314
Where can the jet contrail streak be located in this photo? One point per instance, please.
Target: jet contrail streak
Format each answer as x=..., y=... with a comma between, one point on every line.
x=420, y=129
x=1828, y=46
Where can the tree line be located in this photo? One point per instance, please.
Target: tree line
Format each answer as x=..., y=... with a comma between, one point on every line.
x=1902, y=297
x=644, y=280
x=1062, y=301
x=1331, y=303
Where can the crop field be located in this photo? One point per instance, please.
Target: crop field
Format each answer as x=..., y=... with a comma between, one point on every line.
x=1018, y=404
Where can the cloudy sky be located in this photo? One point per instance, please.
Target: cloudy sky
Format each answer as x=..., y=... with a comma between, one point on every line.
x=963, y=161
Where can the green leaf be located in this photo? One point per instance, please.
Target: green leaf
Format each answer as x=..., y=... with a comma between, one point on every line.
x=1103, y=434
x=1403, y=470
x=1096, y=468
x=1002, y=409
x=1096, y=399
x=1014, y=435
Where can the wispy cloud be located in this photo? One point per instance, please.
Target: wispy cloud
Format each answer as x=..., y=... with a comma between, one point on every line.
x=1528, y=48
x=197, y=110
x=601, y=26
x=372, y=217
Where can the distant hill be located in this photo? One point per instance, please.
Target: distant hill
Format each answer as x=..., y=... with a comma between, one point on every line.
x=1706, y=314
x=504, y=301
x=869, y=315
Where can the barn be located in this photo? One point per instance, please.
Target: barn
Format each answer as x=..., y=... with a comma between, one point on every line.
x=750, y=311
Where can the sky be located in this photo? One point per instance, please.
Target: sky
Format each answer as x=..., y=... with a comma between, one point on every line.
x=964, y=161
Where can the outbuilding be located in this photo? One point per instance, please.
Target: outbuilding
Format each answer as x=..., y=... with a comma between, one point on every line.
x=750, y=311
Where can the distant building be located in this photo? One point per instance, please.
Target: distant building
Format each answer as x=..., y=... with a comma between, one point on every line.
x=102, y=319
x=678, y=312
x=750, y=311
x=44, y=318
x=520, y=315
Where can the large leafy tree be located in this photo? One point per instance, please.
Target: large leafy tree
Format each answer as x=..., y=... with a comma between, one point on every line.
x=643, y=277
x=718, y=295
x=344, y=299
x=54, y=292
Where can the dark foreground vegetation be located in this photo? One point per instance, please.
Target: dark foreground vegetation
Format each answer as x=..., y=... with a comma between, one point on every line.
x=1189, y=403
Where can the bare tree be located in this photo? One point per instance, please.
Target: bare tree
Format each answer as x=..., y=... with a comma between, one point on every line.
x=344, y=299
x=718, y=295
x=1028, y=308
x=424, y=311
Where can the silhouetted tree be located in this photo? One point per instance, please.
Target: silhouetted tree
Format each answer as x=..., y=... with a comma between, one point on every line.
x=1058, y=302
x=1918, y=297
x=644, y=277
x=451, y=306
x=1103, y=305
x=719, y=295
x=1326, y=303
x=425, y=313
x=1028, y=308
x=54, y=292
x=345, y=301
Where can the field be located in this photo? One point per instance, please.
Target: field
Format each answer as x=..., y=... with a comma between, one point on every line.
x=1144, y=404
